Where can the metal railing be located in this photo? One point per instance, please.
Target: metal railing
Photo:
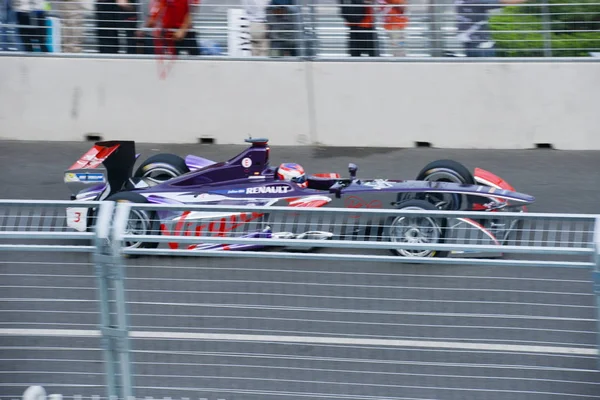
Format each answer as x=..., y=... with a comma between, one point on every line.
x=48, y=286
x=314, y=30
x=317, y=305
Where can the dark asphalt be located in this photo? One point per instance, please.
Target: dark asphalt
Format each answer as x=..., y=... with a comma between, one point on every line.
x=472, y=304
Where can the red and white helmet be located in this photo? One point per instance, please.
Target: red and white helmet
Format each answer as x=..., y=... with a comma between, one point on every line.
x=292, y=172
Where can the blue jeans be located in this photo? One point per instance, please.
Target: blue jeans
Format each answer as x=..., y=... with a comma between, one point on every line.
x=8, y=34
x=33, y=30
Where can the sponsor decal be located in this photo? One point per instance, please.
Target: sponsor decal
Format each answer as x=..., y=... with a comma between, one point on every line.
x=220, y=228
x=358, y=202
x=84, y=177
x=247, y=162
x=269, y=189
x=70, y=177
x=236, y=191
x=378, y=184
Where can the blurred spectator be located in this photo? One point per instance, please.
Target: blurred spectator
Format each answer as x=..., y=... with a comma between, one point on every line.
x=359, y=18
x=71, y=18
x=473, y=27
x=113, y=16
x=394, y=22
x=284, y=28
x=8, y=39
x=32, y=20
x=256, y=12
x=175, y=35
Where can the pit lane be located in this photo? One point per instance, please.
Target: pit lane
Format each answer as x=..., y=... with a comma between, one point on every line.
x=345, y=301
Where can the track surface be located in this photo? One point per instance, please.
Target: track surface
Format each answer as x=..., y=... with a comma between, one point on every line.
x=482, y=306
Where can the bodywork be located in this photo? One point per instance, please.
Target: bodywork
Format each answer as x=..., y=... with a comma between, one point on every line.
x=249, y=180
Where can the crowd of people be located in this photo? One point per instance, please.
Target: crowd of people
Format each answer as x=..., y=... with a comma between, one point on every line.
x=275, y=26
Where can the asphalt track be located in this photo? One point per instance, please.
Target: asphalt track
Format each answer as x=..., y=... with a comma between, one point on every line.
x=390, y=331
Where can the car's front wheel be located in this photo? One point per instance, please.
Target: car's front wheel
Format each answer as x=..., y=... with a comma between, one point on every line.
x=443, y=171
x=417, y=229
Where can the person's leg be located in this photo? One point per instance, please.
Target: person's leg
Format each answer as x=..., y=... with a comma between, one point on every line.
x=106, y=32
x=263, y=40
x=258, y=37
x=398, y=42
x=362, y=42
x=473, y=50
x=41, y=30
x=127, y=22
x=370, y=42
x=190, y=43
x=3, y=29
x=354, y=42
x=24, y=30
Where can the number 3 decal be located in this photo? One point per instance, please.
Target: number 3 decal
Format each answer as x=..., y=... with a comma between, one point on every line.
x=77, y=217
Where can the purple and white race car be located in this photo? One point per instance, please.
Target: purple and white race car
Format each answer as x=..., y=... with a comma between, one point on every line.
x=105, y=172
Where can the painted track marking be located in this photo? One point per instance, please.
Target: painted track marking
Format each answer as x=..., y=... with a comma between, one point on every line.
x=306, y=339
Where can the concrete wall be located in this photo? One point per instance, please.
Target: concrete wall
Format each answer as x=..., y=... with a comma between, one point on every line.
x=460, y=105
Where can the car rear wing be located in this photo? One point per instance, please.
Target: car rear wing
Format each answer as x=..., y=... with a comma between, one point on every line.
x=108, y=162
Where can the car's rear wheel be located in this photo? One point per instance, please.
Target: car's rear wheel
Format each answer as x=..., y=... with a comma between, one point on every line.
x=417, y=229
x=162, y=167
x=140, y=221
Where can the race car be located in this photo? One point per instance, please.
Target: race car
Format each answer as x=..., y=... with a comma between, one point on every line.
x=105, y=172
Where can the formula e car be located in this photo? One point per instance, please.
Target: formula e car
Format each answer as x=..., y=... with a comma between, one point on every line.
x=105, y=172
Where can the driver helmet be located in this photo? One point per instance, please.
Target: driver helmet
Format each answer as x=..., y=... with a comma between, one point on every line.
x=292, y=172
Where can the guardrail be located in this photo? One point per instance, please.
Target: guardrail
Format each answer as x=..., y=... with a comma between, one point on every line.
x=317, y=29
x=195, y=315
x=212, y=229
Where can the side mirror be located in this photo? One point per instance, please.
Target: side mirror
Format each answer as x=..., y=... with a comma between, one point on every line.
x=352, y=168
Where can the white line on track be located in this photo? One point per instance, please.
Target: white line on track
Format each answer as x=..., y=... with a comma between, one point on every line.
x=307, y=339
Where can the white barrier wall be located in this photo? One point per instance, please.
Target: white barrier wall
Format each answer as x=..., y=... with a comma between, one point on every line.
x=67, y=98
x=460, y=105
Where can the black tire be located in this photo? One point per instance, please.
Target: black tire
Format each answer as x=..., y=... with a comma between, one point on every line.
x=437, y=224
x=444, y=171
x=162, y=167
x=149, y=219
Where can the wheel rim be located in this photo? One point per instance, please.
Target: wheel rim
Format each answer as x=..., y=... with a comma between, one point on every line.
x=160, y=172
x=138, y=224
x=414, y=229
x=444, y=201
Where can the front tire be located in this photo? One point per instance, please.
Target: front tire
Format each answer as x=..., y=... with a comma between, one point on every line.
x=162, y=167
x=444, y=171
x=417, y=229
x=140, y=222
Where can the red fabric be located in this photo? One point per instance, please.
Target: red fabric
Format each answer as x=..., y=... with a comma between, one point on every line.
x=173, y=12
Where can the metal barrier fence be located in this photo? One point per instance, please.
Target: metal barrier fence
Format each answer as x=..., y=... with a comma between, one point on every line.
x=49, y=286
x=388, y=28
x=322, y=309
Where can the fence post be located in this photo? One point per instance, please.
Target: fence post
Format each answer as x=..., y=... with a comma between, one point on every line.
x=436, y=41
x=113, y=323
x=596, y=281
x=309, y=33
x=547, y=30
x=119, y=227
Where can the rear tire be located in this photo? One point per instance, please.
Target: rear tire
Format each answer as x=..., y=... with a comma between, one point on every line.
x=141, y=222
x=162, y=167
x=417, y=229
